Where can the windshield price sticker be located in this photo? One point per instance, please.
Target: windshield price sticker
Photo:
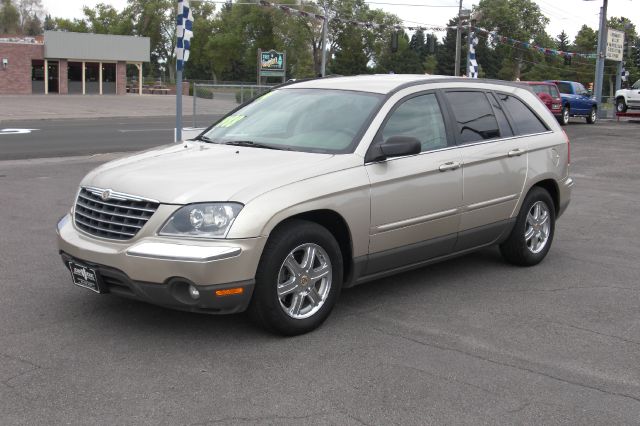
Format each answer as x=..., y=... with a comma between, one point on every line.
x=230, y=121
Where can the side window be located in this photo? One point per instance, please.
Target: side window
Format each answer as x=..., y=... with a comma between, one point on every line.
x=554, y=92
x=475, y=120
x=524, y=120
x=421, y=118
x=580, y=90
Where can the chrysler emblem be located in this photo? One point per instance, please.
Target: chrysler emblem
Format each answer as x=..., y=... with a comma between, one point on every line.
x=106, y=194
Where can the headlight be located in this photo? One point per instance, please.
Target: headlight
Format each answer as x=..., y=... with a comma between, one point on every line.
x=206, y=220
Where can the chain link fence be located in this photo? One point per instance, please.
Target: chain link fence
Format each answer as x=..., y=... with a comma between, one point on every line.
x=213, y=98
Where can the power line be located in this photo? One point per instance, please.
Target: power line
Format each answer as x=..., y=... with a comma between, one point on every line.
x=408, y=4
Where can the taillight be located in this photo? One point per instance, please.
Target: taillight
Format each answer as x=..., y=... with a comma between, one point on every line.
x=568, y=147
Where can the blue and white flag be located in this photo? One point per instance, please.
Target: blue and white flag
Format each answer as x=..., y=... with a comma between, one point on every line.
x=184, y=32
x=473, y=62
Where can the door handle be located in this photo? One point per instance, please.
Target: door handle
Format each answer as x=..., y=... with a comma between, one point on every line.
x=515, y=152
x=451, y=165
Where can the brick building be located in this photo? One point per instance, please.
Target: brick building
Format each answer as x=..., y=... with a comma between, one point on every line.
x=75, y=63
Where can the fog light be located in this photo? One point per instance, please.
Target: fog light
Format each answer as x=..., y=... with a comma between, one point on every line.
x=193, y=292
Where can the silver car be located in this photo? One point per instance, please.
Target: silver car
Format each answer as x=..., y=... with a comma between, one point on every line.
x=320, y=185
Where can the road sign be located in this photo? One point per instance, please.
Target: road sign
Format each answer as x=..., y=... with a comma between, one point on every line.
x=615, y=45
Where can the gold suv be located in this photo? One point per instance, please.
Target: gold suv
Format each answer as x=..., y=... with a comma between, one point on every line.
x=320, y=185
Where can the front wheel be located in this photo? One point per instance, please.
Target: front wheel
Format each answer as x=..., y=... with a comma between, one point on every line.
x=298, y=280
x=621, y=105
x=531, y=237
x=564, y=118
x=593, y=116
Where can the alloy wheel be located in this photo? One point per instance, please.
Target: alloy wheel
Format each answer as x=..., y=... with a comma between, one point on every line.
x=304, y=281
x=538, y=227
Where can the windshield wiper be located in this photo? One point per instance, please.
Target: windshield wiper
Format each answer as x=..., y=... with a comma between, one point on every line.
x=203, y=138
x=254, y=145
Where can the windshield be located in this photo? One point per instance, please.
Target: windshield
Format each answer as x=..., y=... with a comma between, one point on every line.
x=312, y=120
x=636, y=85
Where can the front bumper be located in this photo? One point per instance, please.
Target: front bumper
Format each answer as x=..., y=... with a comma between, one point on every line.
x=159, y=270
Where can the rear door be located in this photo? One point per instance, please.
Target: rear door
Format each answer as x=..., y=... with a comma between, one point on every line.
x=494, y=165
x=633, y=97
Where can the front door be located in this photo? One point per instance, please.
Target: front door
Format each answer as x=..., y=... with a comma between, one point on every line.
x=415, y=200
x=494, y=165
x=52, y=71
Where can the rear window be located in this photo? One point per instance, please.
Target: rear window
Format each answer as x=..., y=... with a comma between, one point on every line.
x=523, y=119
x=475, y=120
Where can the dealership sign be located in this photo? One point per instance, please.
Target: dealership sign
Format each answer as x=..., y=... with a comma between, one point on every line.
x=615, y=45
x=271, y=64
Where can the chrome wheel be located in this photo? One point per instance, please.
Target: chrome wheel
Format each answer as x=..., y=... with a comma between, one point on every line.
x=565, y=115
x=594, y=115
x=304, y=281
x=620, y=106
x=538, y=227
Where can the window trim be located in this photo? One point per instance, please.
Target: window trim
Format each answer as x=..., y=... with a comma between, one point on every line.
x=377, y=139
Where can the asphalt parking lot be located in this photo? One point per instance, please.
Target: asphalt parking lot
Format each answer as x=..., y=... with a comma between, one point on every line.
x=469, y=341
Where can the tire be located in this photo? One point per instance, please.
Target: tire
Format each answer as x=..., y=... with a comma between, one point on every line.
x=621, y=105
x=593, y=116
x=520, y=250
x=286, y=299
x=564, y=118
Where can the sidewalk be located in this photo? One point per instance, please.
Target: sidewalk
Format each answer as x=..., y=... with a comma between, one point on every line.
x=29, y=107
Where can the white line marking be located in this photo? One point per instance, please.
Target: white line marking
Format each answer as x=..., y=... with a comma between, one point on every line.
x=16, y=131
x=144, y=130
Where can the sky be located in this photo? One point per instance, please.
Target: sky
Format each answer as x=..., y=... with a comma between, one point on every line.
x=567, y=15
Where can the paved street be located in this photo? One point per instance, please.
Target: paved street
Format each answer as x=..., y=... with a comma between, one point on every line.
x=87, y=136
x=469, y=341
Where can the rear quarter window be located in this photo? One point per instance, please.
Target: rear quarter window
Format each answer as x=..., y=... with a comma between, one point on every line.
x=524, y=121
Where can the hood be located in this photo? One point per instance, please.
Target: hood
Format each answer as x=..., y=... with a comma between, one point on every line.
x=199, y=172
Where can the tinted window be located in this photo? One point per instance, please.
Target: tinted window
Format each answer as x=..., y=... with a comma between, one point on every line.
x=524, y=120
x=505, y=128
x=475, y=120
x=418, y=117
x=564, y=87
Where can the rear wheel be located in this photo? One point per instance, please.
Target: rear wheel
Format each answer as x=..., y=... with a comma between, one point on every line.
x=564, y=118
x=593, y=116
x=531, y=237
x=621, y=105
x=298, y=280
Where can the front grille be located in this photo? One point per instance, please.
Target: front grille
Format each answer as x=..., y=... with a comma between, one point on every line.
x=119, y=216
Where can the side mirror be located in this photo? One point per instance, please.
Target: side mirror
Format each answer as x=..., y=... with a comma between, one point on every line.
x=395, y=146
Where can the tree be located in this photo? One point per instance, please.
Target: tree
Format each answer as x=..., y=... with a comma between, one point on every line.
x=49, y=23
x=562, y=42
x=405, y=61
x=586, y=40
x=9, y=18
x=32, y=26
x=28, y=10
x=446, y=53
x=521, y=20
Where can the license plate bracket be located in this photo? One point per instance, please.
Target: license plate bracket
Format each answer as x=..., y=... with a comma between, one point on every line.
x=84, y=276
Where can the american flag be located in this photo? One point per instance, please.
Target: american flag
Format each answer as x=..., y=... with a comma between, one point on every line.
x=184, y=32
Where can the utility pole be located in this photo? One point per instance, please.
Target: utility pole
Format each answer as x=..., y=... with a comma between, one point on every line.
x=456, y=70
x=325, y=24
x=602, y=46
